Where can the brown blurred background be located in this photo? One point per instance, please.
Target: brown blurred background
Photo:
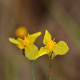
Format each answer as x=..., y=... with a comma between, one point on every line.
x=60, y=17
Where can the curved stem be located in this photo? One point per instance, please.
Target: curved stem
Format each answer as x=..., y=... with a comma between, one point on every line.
x=33, y=72
x=50, y=69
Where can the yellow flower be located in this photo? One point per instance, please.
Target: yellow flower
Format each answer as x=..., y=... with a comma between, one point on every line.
x=27, y=44
x=51, y=47
x=21, y=32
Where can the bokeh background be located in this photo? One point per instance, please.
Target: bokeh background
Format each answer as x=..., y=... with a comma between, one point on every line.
x=60, y=17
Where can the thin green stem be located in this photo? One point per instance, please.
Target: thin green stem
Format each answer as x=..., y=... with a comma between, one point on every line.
x=33, y=72
x=50, y=69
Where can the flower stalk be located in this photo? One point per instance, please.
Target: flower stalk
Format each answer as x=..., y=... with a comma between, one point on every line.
x=31, y=62
x=50, y=68
x=33, y=72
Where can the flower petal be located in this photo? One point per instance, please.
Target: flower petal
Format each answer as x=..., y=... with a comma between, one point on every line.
x=61, y=48
x=47, y=37
x=42, y=51
x=34, y=36
x=31, y=51
x=15, y=41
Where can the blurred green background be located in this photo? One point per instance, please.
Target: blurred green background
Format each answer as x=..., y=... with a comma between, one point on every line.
x=60, y=17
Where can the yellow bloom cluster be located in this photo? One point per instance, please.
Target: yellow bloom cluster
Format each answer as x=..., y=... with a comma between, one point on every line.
x=31, y=51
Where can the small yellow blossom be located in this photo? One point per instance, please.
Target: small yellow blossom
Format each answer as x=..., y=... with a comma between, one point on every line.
x=28, y=45
x=51, y=47
x=21, y=32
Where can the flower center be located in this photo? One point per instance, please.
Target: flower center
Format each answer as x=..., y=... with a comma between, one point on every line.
x=25, y=42
x=50, y=45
